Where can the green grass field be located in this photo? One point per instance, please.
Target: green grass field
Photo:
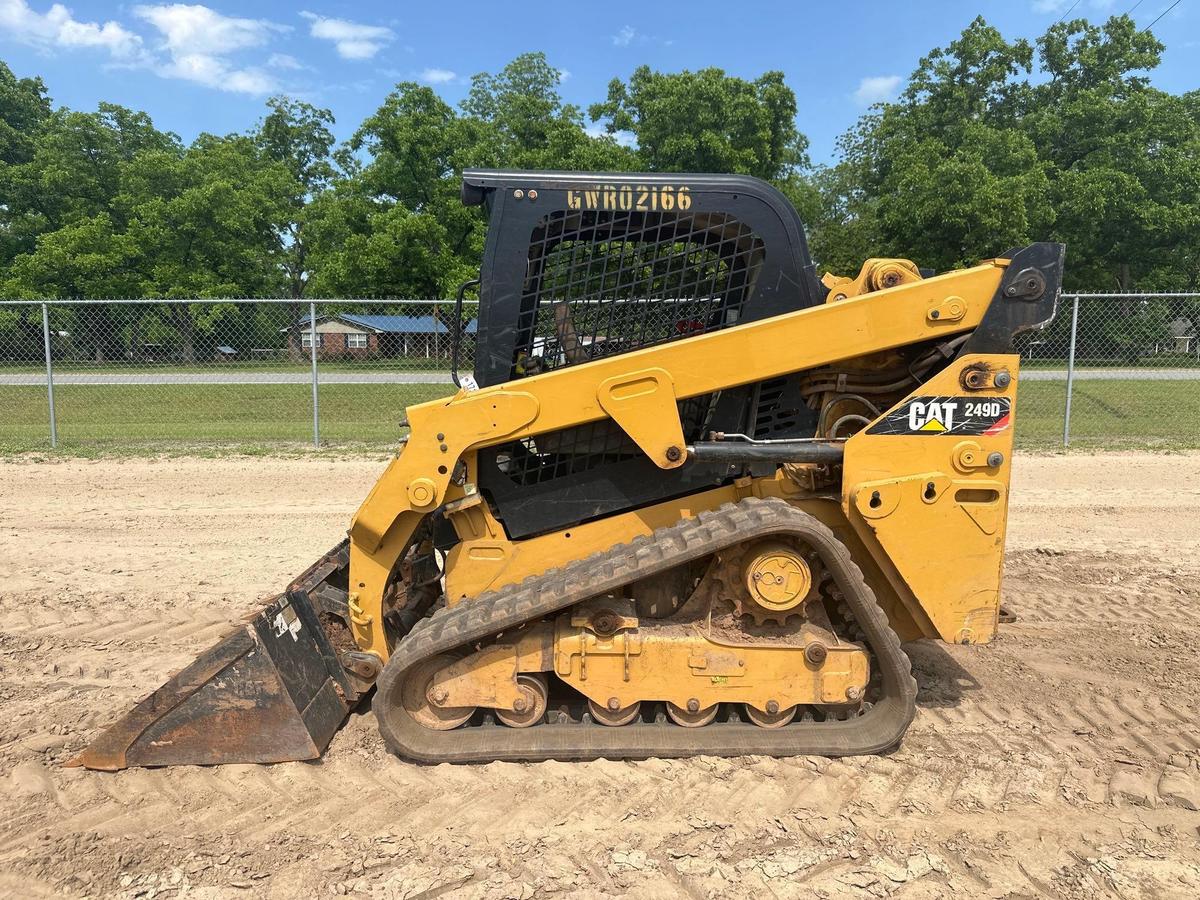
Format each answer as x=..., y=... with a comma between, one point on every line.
x=106, y=419
x=238, y=418
x=1117, y=414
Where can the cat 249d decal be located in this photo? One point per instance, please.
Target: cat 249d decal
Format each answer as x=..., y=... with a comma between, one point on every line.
x=947, y=415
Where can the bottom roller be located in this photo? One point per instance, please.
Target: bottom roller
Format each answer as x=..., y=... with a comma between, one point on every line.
x=270, y=692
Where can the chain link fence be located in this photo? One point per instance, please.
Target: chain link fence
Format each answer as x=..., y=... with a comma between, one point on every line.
x=241, y=373
x=1112, y=371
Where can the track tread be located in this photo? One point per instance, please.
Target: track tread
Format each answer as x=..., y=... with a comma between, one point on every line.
x=556, y=589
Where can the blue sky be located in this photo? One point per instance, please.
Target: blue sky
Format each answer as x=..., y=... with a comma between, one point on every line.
x=209, y=67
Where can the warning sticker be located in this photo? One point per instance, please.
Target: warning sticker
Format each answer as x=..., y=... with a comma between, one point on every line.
x=947, y=415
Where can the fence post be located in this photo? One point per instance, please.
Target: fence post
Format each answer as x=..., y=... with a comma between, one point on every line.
x=1070, y=371
x=312, y=334
x=49, y=376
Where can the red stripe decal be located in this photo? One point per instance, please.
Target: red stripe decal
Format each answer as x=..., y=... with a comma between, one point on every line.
x=1001, y=425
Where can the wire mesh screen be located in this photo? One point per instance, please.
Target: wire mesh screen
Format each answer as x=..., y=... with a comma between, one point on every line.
x=603, y=283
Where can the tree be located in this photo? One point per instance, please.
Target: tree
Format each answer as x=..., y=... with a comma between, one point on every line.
x=978, y=156
x=395, y=225
x=207, y=226
x=296, y=135
x=405, y=190
x=133, y=213
x=68, y=170
x=1124, y=158
x=521, y=122
x=707, y=121
x=23, y=107
x=944, y=175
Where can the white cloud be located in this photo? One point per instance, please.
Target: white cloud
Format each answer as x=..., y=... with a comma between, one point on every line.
x=352, y=39
x=194, y=42
x=197, y=41
x=629, y=35
x=437, y=76
x=285, y=61
x=217, y=72
x=189, y=29
x=877, y=89
x=57, y=27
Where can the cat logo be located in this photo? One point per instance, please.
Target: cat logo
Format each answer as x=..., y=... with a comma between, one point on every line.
x=934, y=416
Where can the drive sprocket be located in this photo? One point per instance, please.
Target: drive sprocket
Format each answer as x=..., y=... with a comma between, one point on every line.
x=769, y=582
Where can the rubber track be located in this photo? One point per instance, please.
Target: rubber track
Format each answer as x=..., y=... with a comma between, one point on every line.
x=875, y=731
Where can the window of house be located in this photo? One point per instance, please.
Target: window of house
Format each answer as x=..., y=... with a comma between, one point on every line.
x=306, y=340
x=356, y=341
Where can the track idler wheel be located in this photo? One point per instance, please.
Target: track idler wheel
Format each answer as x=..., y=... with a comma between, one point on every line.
x=614, y=718
x=417, y=702
x=691, y=718
x=535, y=697
x=776, y=719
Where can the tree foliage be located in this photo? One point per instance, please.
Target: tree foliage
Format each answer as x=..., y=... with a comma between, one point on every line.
x=995, y=144
x=707, y=121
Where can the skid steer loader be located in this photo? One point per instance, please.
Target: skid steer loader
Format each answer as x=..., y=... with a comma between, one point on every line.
x=691, y=500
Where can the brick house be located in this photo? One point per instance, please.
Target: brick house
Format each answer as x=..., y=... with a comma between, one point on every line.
x=350, y=336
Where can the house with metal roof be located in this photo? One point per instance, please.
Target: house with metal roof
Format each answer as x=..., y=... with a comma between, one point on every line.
x=351, y=336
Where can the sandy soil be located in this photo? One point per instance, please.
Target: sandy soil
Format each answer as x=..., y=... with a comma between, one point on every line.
x=1062, y=760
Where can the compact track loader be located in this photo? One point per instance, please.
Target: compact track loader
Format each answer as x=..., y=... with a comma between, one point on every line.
x=691, y=500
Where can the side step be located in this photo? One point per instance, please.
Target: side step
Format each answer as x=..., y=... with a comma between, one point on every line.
x=272, y=691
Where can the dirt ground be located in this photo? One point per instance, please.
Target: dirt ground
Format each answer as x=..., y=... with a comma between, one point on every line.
x=1062, y=760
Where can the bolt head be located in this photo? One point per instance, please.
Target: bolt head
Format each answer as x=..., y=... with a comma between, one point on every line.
x=614, y=704
x=772, y=707
x=674, y=454
x=815, y=653
x=854, y=693
x=693, y=705
x=520, y=704
x=439, y=696
x=1003, y=379
x=995, y=458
